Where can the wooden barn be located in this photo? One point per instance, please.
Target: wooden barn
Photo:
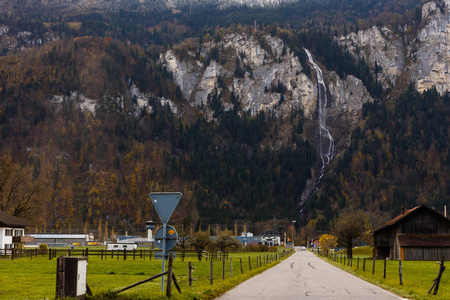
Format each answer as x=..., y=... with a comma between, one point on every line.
x=420, y=233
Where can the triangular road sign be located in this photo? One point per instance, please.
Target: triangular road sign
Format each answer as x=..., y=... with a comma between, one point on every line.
x=165, y=204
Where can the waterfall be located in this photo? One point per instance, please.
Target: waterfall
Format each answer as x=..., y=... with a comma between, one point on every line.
x=326, y=141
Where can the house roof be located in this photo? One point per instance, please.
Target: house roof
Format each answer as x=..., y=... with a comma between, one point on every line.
x=424, y=240
x=58, y=236
x=409, y=213
x=6, y=220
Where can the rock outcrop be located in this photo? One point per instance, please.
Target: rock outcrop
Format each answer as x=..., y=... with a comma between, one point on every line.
x=349, y=95
x=421, y=55
x=382, y=49
x=432, y=58
x=272, y=79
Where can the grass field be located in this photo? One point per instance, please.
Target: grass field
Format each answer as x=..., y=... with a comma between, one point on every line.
x=418, y=276
x=35, y=278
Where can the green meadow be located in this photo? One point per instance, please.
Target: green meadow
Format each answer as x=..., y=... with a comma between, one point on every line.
x=35, y=278
x=418, y=276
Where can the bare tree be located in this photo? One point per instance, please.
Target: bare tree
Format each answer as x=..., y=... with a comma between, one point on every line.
x=20, y=194
x=348, y=226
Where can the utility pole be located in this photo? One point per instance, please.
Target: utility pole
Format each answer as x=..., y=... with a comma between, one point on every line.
x=293, y=222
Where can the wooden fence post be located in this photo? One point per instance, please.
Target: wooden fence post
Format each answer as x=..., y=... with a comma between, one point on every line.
x=438, y=279
x=211, y=272
x=240, y=263
x=373, y=267
x=249, y=264
x=364, y=265
x=223, y=269
x=190, y=274
x=357, y=264
x=60, y=277
x=231, y=267
x=400, y=272
x=384, y=270
x=169, y=275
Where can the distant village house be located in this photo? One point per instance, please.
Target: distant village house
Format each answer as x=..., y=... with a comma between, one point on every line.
x=12, y=232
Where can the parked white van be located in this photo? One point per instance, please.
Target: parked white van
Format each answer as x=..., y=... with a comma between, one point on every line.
x=117, y=246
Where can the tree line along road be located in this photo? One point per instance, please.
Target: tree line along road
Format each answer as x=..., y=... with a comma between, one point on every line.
x=305, y=276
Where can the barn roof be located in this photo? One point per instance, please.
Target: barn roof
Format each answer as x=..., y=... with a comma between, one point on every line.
x=6, y=220
x=409, y=213
x=424, y=240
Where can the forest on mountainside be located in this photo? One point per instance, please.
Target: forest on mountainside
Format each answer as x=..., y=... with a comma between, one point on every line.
x=102, y=165
x=99, y=165
x=400, y=156
x=157, y=25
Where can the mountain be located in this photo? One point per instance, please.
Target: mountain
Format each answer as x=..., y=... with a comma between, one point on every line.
x=399, y=154
x=104, y=106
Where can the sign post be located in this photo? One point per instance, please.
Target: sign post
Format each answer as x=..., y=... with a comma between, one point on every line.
x=165, y=204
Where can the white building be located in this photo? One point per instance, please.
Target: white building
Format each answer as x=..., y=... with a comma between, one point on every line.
x=60, y=240
x=12, y=231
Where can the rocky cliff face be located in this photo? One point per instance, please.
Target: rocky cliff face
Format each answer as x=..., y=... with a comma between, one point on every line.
x=432, y=58
x=422, y=56
x=272, y=79
x=173, y=5
x=261, y=3
x=379, y=46
x=224, y=3
x=271, y=75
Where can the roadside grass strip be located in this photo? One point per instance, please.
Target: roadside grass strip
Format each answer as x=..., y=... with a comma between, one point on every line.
x=418, y=276
x=35, y=278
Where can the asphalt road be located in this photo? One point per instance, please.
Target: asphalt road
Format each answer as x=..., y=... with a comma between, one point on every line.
x=303, y=275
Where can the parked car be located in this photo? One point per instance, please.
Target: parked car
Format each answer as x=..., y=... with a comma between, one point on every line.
x=303, y=248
